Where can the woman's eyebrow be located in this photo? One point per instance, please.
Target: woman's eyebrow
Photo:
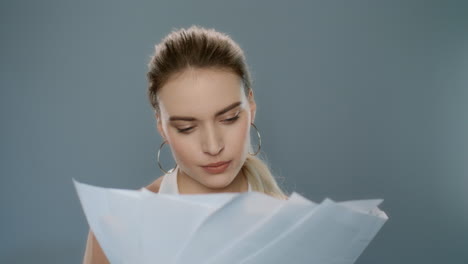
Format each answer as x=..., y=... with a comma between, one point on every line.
x=220, y=112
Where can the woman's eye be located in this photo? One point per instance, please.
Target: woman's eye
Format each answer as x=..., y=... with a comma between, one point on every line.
x=232, y=119
x=184, y=130
x=189, y=129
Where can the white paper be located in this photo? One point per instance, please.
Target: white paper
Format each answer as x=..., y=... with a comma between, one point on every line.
x=247, y=244
x=144, y=227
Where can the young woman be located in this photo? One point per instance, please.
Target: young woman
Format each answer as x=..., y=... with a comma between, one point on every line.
x=200, y=89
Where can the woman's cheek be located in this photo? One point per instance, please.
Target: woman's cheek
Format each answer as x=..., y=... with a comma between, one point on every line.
x=239, y=137
x=183, y=149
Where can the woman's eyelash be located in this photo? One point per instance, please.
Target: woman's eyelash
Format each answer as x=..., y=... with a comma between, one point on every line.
x=229, y=120
x=232, y=119
x=184, y=130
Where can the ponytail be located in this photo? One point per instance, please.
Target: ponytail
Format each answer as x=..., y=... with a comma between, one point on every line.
x=260, y=178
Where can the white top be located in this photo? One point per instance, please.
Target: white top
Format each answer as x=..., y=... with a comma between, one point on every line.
x=169, y=183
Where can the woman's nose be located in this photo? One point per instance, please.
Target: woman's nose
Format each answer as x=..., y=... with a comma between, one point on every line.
x=212, y=141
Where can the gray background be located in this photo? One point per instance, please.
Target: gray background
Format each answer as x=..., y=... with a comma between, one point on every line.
x=356, y=99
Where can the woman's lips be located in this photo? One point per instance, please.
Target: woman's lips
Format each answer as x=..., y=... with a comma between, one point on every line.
x=216, y=168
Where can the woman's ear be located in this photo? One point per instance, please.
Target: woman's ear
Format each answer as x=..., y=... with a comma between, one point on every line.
x=159, y=126
x=253, y=105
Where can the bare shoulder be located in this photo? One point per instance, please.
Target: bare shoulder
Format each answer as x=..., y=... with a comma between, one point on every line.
x=93, y=252
x=154, y=186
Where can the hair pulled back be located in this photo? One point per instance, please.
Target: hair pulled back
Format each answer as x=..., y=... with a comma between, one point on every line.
x=198, y=47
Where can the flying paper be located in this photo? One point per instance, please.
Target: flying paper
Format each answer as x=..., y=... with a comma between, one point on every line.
x=138, y=226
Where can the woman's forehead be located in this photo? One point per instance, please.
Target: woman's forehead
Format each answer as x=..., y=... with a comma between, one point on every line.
x=200, y=92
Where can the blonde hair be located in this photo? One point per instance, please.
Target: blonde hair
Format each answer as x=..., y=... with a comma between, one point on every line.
x=206, y=48
x=260, y=177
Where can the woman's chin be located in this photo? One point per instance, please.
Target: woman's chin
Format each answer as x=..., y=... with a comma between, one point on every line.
x=217, y=182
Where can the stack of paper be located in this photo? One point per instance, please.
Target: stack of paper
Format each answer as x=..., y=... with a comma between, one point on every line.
x=144, y=227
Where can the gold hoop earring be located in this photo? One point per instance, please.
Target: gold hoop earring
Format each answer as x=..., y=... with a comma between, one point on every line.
x=259, y=140
x=159, y=163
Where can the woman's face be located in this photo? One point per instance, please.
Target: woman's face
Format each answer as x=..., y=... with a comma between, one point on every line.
x=205, y=117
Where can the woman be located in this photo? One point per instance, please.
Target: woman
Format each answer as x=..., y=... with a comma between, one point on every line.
x=200, y=89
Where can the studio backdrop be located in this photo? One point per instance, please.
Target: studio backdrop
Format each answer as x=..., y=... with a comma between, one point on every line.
x=355, y=100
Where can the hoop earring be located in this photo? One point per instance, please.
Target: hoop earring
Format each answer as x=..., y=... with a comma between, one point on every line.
x=159, y=163
x=259, y=140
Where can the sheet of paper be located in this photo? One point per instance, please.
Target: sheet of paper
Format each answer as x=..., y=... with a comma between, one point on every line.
x=232, y=220
x=138, y=226
x=331, y=233
x=132, y=226
x=271, y=227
